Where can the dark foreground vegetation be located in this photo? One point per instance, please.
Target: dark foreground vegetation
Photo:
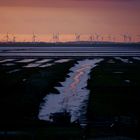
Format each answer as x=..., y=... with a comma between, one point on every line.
x=22, y=92
x=113, y=109
x=114, y=99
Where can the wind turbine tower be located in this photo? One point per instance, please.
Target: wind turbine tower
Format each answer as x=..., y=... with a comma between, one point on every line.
x=97, y=36
x=114, y=38
x=14, y=39
x=109, y=38
x=34, y=38
x=129, y=38
x=102, y=38
x=91, y=38
x=124, y=38
x=56, y=37
x=77, y=37
x=7, y=37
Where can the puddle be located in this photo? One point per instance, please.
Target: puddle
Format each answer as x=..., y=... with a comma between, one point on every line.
x=62, y=60
x=8, y=64
x=31, y=65
x=136, y=58
x=73, y=97
x=125, y=60
x=46, y=65
x=6, y=60
x=26, y=60
x=43, y=61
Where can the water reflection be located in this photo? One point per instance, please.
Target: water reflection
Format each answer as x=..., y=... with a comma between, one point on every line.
x=73, y=95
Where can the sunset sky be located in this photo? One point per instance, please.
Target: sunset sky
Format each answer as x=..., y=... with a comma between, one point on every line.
x=23, y=17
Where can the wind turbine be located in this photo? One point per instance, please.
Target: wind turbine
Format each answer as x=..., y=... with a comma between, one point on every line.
x=124, y=37
x=7, y=37
x=109, y=37
x=1, y=39
x=53, y=37
x=34, y=38
x=14, y=39
x=129, y=38
x=97, y=36
x=77, y=37
x=91, y=37
x=56, y=37
x=114, y=38
x=102, y=38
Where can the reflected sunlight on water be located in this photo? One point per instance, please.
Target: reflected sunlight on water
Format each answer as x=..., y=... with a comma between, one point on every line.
x=73, y=97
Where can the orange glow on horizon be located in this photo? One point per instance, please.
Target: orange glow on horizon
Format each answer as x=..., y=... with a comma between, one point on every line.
x=115, y=18
x=65, y=37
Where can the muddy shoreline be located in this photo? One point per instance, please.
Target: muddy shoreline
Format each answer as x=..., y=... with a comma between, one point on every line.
x=112, y=109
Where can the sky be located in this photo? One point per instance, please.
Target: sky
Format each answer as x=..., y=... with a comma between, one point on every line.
x=45, y=17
